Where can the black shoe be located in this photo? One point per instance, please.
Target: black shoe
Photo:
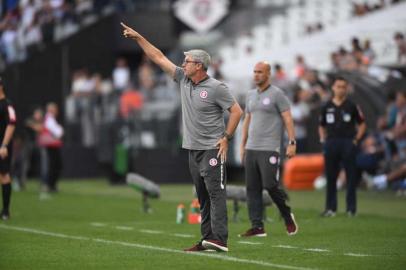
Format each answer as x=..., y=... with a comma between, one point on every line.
x=328, y=213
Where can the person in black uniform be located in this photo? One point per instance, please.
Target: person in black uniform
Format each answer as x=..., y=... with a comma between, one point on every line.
x=7, y=126
x=341, y=128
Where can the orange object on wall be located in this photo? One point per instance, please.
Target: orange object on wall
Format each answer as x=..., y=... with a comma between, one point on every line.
x=300, y=171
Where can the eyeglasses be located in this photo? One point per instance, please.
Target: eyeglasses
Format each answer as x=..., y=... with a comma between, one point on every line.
x=190, y=61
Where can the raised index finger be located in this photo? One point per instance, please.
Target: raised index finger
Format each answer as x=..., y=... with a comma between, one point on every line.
x=123, y=25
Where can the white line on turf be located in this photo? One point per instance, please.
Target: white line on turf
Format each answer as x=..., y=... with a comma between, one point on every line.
x=151, y=231
x=249, y=243
x=141, y=246
x=98, y=224
x=183, y=235
x=357, y=254
x=124, y=228
x=284, y=246
x=316, y=249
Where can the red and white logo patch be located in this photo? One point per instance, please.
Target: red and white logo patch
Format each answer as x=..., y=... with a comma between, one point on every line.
x=203, y=94
x=273, y=160
x=213, y=162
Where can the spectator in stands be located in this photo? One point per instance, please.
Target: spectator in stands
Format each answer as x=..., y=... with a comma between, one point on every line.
x=371, y=153
x=83, y=87
x=83, y=8
x=362, y=62
x=121, y=75
x=399, y=130
x=346, y=60
x=280, y=78
x=335, y=61
x=146, y=79
x=46, y=21
x=9, y=42
x=368, y=51
x=401, y=43
x=51, y=139
x=382, y=181
x=32, y=150
x=300, y=67
x=300, y=112
x=355, y=44
x=215, y=71
x=131, y=101
x=33, y=37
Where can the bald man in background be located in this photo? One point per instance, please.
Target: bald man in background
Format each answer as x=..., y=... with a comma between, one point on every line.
x=267, y=112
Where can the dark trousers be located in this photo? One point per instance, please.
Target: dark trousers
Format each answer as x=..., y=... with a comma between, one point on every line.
x=54, y=167
x=261, y=172
x=208, y=176
x=339, y=152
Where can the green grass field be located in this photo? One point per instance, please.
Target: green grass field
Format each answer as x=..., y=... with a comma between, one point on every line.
x=91, y=225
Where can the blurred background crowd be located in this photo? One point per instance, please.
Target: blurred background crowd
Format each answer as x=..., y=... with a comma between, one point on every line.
x=120, y=113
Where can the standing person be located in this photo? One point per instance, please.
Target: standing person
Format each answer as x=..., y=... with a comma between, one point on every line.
x=341, y=128
x=7, y=126
x=32, y=151
x=51, y=139
x=205, y=135
x=267, y=111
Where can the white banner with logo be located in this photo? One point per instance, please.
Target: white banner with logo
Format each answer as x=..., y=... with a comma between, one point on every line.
x=201, y=15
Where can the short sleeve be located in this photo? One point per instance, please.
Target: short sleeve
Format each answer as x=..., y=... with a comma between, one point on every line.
x=247, y=103
x=322, y=118
x=11, y=115
x=358, y=115
x=179, y=75
x=223, y=97
x=282, y=102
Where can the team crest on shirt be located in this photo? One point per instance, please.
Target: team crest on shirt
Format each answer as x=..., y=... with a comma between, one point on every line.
x=203, y=94
x=347, y=117
x=266, y=101
x=213, y=162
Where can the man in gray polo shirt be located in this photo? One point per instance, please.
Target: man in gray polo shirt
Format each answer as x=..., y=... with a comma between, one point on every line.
x=204, y=101
x=267, y=112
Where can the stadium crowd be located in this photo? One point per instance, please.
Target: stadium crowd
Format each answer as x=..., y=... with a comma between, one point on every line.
x=30, y=25
x=143, y=100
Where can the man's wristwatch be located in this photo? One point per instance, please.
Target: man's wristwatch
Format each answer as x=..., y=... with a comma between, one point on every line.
x=227, y=136
x=292, y=142
x=3, y=146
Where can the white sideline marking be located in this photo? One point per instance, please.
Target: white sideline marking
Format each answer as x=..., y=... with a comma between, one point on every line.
x=124, y=228
x=284, y=246
x=127, y=244
x=249, y=243
x=357, y=254
x=183, y=235
x=98, y=224
x=151, y=231
x=316, y=249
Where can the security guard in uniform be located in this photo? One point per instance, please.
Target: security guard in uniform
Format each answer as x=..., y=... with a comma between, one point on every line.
x=341, y=128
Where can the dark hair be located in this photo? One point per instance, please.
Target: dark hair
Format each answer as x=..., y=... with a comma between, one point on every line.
x=340, y=78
